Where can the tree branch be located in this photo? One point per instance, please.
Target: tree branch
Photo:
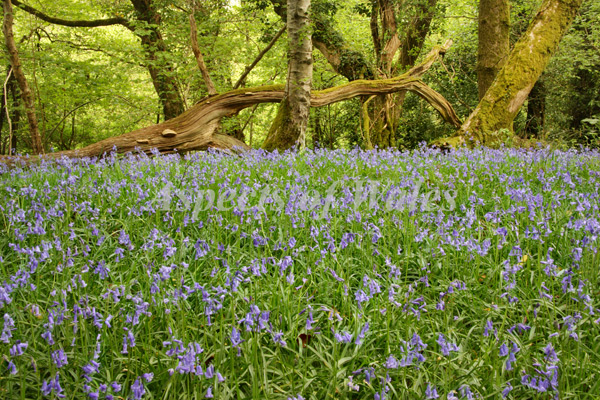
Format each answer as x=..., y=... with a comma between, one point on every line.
x=73, y=23
x=196, y=129
x=416, y=33
x=210, y=86
x=258, y=58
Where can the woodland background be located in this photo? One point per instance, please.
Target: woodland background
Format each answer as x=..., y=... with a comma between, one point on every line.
x=94, y=83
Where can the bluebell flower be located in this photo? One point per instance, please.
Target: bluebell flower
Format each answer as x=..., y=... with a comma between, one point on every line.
x=278, y=338
x=18, y=348
x=59, y=358
x=210, y=372
x=465, y=391
x=362, y=334
x=431, y=392
x=391, y=362
x=137, y=389
x=9, y=326
x=12, y=368
x=446, y=347
x=344, y=337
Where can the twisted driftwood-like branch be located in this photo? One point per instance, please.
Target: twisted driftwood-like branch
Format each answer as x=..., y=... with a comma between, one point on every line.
x=197, y=128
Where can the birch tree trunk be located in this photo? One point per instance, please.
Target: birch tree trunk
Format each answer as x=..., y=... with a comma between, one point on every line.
x=26, y=95
x=289, y=127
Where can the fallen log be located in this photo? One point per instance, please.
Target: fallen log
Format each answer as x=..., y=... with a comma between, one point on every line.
x=197, y=128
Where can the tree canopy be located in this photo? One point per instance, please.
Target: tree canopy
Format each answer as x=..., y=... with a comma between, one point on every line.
x=100, y=69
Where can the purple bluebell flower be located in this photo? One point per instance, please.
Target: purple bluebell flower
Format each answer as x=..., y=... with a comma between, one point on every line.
x=489, y=326
x=18, y=348
x=116, y=387
x=236, y=338
x=361, y=297
x=9, y=326
x=278, y=338
x=550, y=354
x=59, y=358
x=391, y=362
x=53, y=385
x=465, y=391
x=137, y=389
x=12, y=368
x=431, y=392
x=446, y=347
x=344, y=337
x=362, y=334
x=335, y=275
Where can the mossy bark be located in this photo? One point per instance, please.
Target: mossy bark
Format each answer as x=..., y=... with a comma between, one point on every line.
x=494, y=41
x=280, y=138
x=526, y=62
x=390, y=39
x=161, y=69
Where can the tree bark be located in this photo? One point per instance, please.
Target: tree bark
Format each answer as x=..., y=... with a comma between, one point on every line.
x=196, y=129
x=344, y=60
x=72, y=23
x=26, y=94
x=526, y=62
x=494, y=41
x=161, y=70
x=386, y=41
x=289, y=126
x=210, y=86
x=412, y=44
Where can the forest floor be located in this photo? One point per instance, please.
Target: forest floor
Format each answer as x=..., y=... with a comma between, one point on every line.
x=322, y=274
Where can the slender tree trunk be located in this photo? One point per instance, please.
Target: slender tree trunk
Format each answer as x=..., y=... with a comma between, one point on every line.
x=161, y=70
x=200, y=58
x=526, y=62
x=344, y=59
x=27, y=96
x=494, y=41
x=385, y=112
x=289, y=127
x=15, y=114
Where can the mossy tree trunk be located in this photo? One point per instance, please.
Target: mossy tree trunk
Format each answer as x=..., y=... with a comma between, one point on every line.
x=26, y=94
x=160, y=67
x=494, y=41
x=289, y=126
x=528, y=59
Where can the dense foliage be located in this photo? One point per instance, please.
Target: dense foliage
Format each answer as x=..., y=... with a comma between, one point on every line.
x=95, y=83
x=465, y=275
